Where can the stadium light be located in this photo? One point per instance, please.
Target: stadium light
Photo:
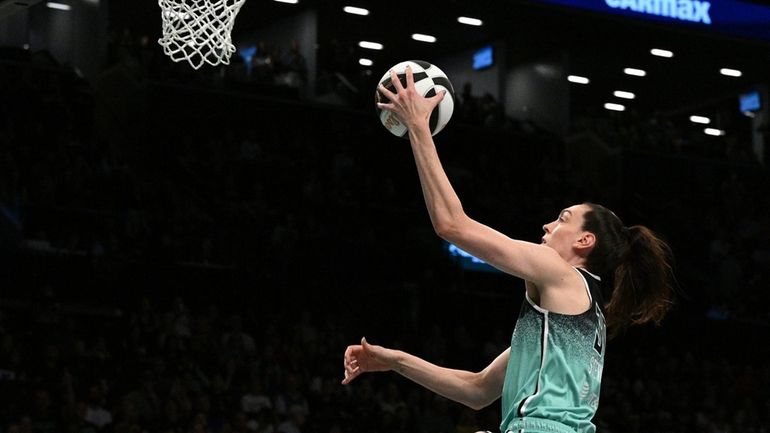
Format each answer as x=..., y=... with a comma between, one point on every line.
x=700, y=119
x=423, y=38
x=713, y=131
x=730, y=72
x=661, y=53
x=356, y=11
x=577, y=79
x=635, y=72
x=370, y=45
x=614, y=107
x=58, y=6
x=624, y=95
x=469, y=21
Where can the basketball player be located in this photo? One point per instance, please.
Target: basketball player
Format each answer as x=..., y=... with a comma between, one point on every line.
x=550, y=376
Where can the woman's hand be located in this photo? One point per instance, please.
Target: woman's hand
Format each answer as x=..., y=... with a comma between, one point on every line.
x=365, y=357
x=410, y=107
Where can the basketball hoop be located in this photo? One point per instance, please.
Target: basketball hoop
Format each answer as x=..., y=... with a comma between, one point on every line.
x=199, y=30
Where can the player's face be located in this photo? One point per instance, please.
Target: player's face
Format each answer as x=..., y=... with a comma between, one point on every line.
x=562, y=233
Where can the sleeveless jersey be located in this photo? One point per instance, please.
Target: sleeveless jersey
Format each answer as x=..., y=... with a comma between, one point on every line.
x=553, y=377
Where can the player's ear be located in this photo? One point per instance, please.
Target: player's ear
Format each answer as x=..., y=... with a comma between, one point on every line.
x=585, y=242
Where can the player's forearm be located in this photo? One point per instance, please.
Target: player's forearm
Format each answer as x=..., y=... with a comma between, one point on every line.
x=443, y=205
x=457, y=385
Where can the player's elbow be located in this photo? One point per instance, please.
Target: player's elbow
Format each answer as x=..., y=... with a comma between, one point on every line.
x=481, y=396
x=486, y=402
x=450, y=229
x=479, y=402
x=473, y=406
x=445, y=230
x=476, y=405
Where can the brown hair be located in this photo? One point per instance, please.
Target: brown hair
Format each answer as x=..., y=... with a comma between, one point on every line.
x=638, y=262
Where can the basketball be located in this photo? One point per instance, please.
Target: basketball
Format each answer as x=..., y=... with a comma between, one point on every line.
x=428, y=81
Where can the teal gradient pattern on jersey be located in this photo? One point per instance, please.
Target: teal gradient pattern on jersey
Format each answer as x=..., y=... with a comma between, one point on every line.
x=555, y=368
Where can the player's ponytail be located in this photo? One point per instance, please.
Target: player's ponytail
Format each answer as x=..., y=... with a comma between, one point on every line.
x=637, y=262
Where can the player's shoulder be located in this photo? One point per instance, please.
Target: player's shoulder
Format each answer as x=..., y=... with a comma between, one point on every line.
x=567, y=295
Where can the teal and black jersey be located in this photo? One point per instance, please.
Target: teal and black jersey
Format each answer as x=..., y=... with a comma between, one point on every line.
x=554, y=373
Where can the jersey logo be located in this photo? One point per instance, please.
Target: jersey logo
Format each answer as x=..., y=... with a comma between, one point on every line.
x=598, y=344
x=601, y=331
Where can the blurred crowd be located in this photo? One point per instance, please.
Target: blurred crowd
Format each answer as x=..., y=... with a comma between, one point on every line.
x=215, y=367
x=174, y=267
x=675, y=135
x=271, y=69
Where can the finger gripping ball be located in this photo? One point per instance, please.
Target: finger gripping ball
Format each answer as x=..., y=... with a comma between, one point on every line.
x=428, y=81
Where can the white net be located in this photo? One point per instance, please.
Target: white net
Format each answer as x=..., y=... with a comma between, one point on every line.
x=199, y=30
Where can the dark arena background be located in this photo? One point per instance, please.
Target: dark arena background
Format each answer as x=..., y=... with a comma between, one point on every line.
x=192, y=250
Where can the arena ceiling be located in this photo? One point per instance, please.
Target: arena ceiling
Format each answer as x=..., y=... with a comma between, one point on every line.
x=599, y=46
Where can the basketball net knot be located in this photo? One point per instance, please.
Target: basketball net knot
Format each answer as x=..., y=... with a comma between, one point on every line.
x=199, y=31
